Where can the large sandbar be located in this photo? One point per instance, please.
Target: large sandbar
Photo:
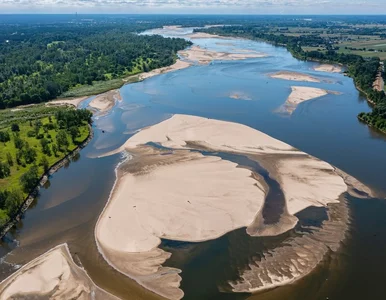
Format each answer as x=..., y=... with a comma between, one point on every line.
x=106, y=101
x=328, y=68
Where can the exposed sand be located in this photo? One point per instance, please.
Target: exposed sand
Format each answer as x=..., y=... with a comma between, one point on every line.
x=379, y=84
x=75, y=101
x=204, y=35
x=53, y=275
x=294, y=76
x=204, y=56
x=181, y=195
x=300, y=94
x=328, y=68
x=106, y=101
x=178, y=65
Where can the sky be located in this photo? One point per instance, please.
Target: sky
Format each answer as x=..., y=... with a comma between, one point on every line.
x=196, y=6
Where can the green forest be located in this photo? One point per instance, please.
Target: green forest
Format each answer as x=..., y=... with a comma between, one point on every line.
x=31, y=141
x=363, y=70
x=40, y=63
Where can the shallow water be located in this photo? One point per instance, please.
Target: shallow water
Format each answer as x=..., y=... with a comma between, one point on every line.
x=326, y=127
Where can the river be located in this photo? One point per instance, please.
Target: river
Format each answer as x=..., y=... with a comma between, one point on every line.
x=68, y=208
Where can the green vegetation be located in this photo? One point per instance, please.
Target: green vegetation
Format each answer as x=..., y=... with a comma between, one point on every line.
x=40, y=63
x=31, y=140
x=302, y=46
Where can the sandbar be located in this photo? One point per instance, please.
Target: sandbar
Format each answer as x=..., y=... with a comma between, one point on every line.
x=300, y=94
x=106, y=101
x=294, y=76
x=328, y=68
x=204, y=56
x=178, y=194
x=53, y=275
x=178, y=65
x=239, y=96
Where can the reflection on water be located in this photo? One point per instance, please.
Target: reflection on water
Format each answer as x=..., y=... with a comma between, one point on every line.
x=327, y=128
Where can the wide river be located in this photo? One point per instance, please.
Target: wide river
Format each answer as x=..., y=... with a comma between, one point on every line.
x=68, y=208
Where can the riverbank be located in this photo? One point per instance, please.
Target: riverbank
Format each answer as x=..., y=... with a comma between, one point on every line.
x=42, y=180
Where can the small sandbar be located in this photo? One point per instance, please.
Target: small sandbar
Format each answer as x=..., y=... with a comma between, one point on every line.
x=239, y=96
x=294, y=76
x=178, y=65
x=106, y=101
x=204, y=56
x=53, y=275
x=301, y=94
x=203, y=35
x=328, y=68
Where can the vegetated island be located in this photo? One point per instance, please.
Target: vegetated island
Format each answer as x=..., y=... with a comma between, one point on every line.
x=364, y=71
x=33, y=141
x=156, y=197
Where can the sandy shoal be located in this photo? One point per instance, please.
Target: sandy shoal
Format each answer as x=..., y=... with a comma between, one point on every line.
x=294, y=76
x=300, y=94
x=204, y=56
x=181, y=195
x=328, y=68
x=239, y=96
x=75, y=101
x=53, y=275
x=178, y=65
x=204, y=35
x=106, y=101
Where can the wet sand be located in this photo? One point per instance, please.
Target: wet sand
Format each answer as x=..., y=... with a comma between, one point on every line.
x=203, y=35
x=153, y=178
x=53, y=275
x=203, y=56
x=239, y=96
x=106, y=101
x=328, y=68
x=294, y=76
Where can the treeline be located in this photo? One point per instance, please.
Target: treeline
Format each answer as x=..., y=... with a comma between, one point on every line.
x=363, y=70
x=40, y=63
x=29, y=148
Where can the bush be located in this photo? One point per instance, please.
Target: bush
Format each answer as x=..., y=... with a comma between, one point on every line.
x=15, y=127
x=30, y=179
x=4, y=136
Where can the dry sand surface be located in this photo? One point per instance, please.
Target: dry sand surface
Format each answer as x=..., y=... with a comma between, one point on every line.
x=294, y=76
x=328, y=68
x=106, y=101
x=178, y=65
x=53, y=275
x=300, y=94
x=75, y=101
x=181, y=195
x=204, y=56
x=379, y=84
x=203, y=35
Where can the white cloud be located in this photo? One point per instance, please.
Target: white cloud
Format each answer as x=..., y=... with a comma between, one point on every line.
x=206, y=6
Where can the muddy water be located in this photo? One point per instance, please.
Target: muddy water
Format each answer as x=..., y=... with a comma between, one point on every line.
x=326, y=128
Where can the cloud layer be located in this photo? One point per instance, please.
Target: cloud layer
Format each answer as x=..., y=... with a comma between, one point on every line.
x=204, y=6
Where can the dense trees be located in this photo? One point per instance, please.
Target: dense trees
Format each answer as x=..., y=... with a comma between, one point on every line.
x=26, y=154
x=45, y=62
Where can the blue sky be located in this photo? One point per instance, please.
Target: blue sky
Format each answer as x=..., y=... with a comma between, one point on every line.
x=196, y=6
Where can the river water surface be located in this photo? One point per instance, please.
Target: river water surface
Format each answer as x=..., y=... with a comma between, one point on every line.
x=67, y=210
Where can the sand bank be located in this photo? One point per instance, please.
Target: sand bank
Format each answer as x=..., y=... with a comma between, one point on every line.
x=181, y=195
x=75, y=101
x=203, y=56
x=106, y=101
x=178, y=65
x=328, y=68
x=379, y=84
x=300, y=94
x=53, y=275
x=294, y=76
x=203, y=35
